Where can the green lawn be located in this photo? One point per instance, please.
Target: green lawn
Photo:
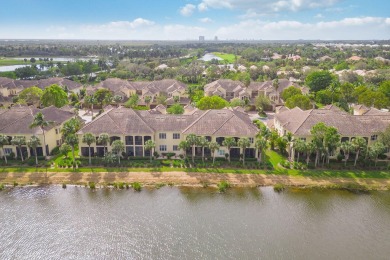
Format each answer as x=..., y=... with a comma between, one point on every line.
x=230, y=58
x=271, y=156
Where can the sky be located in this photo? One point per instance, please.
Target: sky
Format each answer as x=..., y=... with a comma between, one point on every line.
x=188, y=19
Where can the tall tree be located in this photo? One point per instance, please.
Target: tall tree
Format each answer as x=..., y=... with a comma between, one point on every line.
x=70, y=127
x=299, y=147
x=318, y=131
x=102, y=96
x=275, y=85
x=192, y=141
x=360, y=145
x=33, y=143
x=19, y=141
x=331, y=140
x=203, y=143
x=54, y=95
x=31, y=95
x=118, y=147
x=261, y=145
x=73, y=141
x=103, y=139
x=89, y=139
x=147, y=100
x=183, y=145
x=4, y=141
x=243, y=143
x=346, y=147
x=213, y=102
x=319, y=80
x=39, y=121
x=229, y=142
x=213, y=146
x=149, y=146
x=290, y=141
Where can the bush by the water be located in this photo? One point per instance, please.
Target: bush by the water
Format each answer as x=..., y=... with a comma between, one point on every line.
x=136, y=186
x=92, y=185
x=223, y=186
x=279, y=187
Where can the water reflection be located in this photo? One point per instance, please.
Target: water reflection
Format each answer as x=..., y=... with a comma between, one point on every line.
x=192, y=223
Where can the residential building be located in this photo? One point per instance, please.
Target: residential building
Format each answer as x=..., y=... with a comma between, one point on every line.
x=134, y=128
x=16, y=121
x=299, y=123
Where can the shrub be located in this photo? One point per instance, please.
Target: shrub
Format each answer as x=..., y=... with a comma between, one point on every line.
x=159, y=185
x=92, y=185
x=223, y=186
x=55, y=151
x=15, y=184
x=136, y=186
x=64, y=185
x=279, y=187
x=2, y=187
x=121, y=185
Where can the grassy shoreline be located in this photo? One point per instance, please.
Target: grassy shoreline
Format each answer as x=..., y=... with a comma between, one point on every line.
x=171, y=176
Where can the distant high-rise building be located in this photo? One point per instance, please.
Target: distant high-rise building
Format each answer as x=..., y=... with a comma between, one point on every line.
x=215, y=38
x=201, y=38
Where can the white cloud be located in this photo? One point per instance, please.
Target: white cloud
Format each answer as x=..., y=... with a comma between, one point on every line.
x=346, y=29
x=202, y=7
x=187, y=10
x=268, y=6
x=318, y=16
x=205, y=20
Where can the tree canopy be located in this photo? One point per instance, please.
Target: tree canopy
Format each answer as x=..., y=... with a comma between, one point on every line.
x=289, y=92
x=30, y=95
x=175, y=109
x=300, y=101
x=319, y=80
x=54, y=95
x=213, y=102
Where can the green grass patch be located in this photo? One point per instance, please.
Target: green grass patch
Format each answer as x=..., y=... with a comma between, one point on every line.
x=229, y=57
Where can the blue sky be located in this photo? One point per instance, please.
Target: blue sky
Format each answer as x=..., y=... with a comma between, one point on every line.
x=187, y=19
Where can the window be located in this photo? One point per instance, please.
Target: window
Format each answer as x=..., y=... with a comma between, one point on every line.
x=251, y=140
x=374, y=137
x=176, y=148
x=56, y=131
x=58, y=142
x=221, y=152
x=7, y=150
x=176, y=136
x=129, y=140
x=162, y=135
x=138, y=140
x=163, y=148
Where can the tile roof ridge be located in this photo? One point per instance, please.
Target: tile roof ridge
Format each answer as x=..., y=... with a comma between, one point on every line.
x=139, y=116
x=308, y=114
x=224, y=123
x=97, y=118
x=196, y=120
x=117, y=126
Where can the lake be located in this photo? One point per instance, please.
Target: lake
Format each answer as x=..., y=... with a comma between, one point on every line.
x=209, y=57
x=192, y=223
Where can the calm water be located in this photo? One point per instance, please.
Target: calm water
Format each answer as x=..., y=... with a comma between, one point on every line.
x=188, y=223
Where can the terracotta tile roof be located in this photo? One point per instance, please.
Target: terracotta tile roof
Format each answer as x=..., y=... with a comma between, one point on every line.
x=17, y=120
x=300, y=122
x=42, y=83
x=227, y=84
x=223, y=122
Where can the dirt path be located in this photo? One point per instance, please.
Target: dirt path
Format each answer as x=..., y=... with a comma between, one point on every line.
x=183, y=178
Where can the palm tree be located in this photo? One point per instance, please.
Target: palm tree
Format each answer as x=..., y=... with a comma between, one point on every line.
x=39, y=121
x=243, y=143
x=149, y=146
x=192, y=141
x=70, y=127
x=213, y=146
x=229, y=142
x=202, y=142
x=289, y=138
x=118, y=147
x=375, y=150
x=359, y=144
x=72, y=140
x=104, y=139
x=90, y=100
x=33, y=143
x=261, y=145
x=309, y=148
x=183, y=145
x=346, y=147
x=4, y=141
x=147, y=100
x=299, y=146
x=19, y=141
x=89, y=139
